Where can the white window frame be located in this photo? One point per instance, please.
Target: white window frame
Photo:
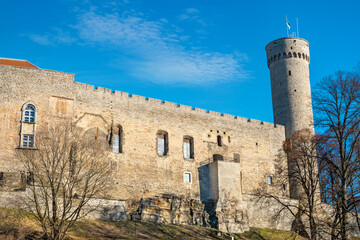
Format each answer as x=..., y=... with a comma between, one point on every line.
x=28, y=141
x=189, y=177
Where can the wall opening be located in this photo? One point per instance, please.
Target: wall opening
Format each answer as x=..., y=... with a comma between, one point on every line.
x=218, y=157
x=162, y=143
x=188, y=147
x=219, y=141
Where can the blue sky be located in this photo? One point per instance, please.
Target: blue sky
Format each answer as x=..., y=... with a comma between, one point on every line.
x=207, y=54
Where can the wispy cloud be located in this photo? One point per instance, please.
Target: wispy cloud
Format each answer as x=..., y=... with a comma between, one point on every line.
x=156, y=50
x=51, y=39
x=193, y=15
x=158, y=54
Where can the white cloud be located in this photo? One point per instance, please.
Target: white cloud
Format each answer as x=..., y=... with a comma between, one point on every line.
x=157, y=51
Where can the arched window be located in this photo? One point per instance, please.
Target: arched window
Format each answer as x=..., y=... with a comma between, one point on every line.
x=28, y=125
x=219, y=141
x=188, y=147
x=284, y=55
x=289, y=54
x=275, y=58
x=162, y=143
x=29, y=113
x=279, y=56
x=299, y=55
x=303, y=55
x=117, y=139
x=295, y=55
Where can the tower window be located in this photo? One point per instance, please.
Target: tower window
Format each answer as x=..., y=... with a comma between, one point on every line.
x=289, y=73
x=269, y=180
x=219, y=141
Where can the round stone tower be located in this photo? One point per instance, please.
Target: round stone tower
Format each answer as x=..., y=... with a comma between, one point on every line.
x=288, y=60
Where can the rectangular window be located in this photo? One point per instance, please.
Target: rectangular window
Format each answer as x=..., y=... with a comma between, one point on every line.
x=186, y=148
x=161, y=145
x=187, y=177
x=115, y=143
x=28, y=141
x=269, y=180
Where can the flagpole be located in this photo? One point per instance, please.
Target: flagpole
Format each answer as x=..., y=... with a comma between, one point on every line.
x=297, y=27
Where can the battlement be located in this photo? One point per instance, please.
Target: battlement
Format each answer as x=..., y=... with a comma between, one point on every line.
x=108, y=95
x=114, y=95
x=285, y=48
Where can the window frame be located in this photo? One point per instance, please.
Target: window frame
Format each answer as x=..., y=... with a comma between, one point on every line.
x=190, y=177
x=30, y=139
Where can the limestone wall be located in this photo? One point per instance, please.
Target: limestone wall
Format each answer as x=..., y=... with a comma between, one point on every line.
x=288, y=62
x=268, y=213
x=138, y=171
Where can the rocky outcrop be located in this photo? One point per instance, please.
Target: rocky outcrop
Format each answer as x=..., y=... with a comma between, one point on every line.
x=169, y=208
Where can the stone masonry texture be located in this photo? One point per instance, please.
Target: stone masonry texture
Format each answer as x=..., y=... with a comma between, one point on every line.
x=151, y=185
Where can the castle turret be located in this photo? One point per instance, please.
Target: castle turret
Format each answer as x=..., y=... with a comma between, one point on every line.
x=288, y=60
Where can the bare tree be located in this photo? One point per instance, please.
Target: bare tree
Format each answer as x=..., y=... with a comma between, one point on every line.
x=337, y=108
x=301, y=170
x=65, y=172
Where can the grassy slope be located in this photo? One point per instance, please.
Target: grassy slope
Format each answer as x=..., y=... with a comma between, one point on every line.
x=16, y=224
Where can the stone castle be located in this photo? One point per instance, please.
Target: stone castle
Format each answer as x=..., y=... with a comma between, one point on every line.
x=171, y=163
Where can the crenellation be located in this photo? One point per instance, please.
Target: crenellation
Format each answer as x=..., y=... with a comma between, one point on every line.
x=228, y=116
x=184, y=107
x=137, y=98
x=170, y=104
x=154, y=101
x=212, y=113
x=199, y=110
x=103, y=90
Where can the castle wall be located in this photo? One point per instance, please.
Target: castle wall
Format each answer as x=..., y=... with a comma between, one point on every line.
x=138, y=171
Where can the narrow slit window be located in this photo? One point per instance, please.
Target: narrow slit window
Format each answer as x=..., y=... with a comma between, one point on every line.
x=269, y=180
x=219, y=141
x=115, y=144
x=289, y=73
x=117, y=139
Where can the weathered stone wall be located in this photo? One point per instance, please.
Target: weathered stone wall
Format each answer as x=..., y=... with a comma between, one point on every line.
x=138, y=169
x=265, y=212
x=139, y=172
